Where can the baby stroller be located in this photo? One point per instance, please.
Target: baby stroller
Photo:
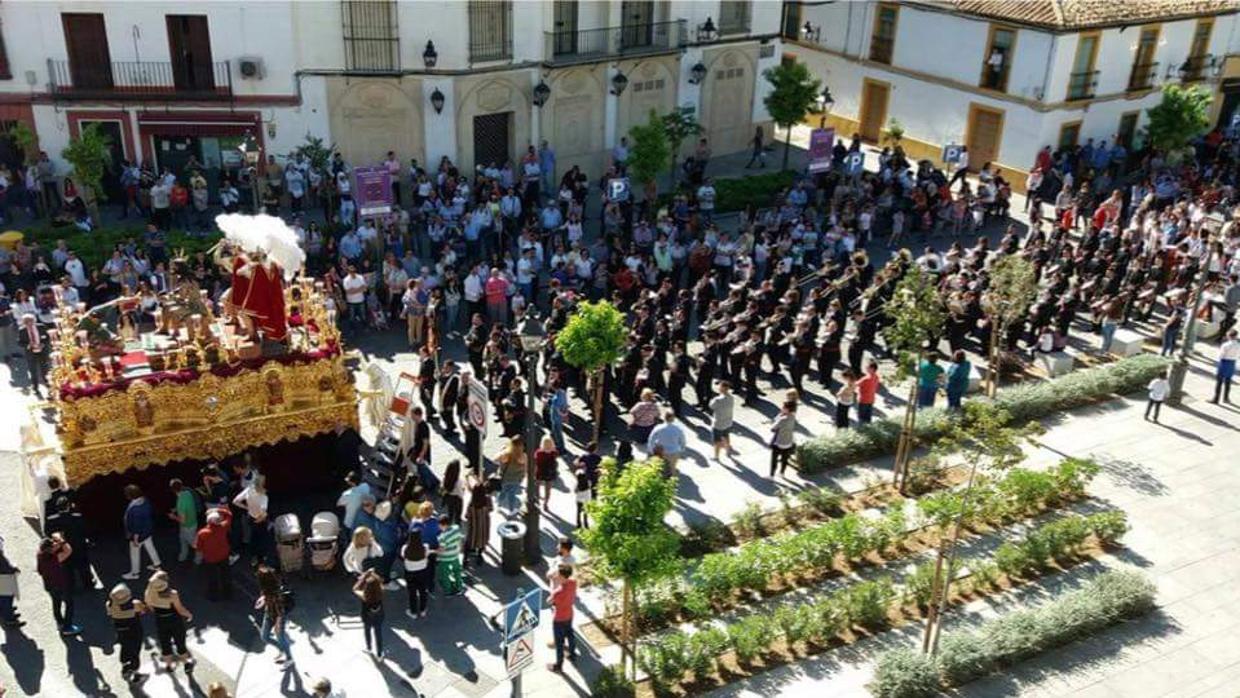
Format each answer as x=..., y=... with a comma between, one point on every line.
x=323, y=542
x=289, y=543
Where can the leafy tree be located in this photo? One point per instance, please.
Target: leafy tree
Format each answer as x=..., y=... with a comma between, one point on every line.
x=592, y=340
x=991, y=444
x=316, y=152
x=628, y=538
x=650, y=153
x=1182, y=115
x=680, y=126
x=794, y=93
x=1013, y=286
x=917, y=315
x=89, y=154
x=24, y=138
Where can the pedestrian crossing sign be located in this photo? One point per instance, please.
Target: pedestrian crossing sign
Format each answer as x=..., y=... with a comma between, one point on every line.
x=521, y=616
x=519, y=655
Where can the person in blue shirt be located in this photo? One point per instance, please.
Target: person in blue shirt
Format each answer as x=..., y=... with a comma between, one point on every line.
x=929, y=376
x=139, y=525
x=546, y=163
x=388, y=534
x=426, y=525
x=957, y=380
x=667, y=440
x=351, y=246
x=1101, y=157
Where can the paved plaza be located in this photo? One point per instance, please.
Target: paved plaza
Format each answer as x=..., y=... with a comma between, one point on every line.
x=1178, y=481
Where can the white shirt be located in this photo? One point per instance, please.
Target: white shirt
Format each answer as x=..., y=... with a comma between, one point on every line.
x=473, y=289
x=77, y=272
x=253, y=501
x=354, y=288
x=1229, y=350
x=1159, y=387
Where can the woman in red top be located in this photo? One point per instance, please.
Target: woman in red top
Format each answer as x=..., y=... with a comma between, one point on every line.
x=867, y=391
x=546, y=468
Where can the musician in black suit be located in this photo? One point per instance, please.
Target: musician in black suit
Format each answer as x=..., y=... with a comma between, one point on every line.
x=33, y=341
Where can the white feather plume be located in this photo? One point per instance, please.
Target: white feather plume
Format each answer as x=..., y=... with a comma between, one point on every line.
x=267, y=233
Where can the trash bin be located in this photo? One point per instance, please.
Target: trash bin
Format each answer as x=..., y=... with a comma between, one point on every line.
x=512, y=544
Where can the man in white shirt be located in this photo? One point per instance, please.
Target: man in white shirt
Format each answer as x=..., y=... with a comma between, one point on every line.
x=1228, y=353
x=77, y=272
x=355, y=296
x=473, y=291
x=706, y=198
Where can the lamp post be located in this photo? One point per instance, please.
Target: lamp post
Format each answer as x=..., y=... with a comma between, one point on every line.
x=250, y=155
x=531, y=333
x=825, y=101
x=1179, y=369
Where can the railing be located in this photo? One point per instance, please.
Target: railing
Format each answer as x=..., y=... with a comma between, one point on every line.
x=631, y=39
x=1082, y=85
x=881, y=49
x=146, y=79
x=1194, y=67
x=1142, y=76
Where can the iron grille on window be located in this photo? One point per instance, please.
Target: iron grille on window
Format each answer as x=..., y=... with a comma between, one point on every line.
x=490, y=30
x=734, y=17
x=371, y=37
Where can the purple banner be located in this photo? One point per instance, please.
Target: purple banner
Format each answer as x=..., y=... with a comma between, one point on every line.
x=372, y=190
x=820, y=142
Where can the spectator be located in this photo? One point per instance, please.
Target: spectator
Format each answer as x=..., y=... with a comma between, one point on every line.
x=170, y=618
x=139, y=525
x=212, y=543
x=53, y=552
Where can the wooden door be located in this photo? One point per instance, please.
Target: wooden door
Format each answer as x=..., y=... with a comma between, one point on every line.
x=874, y=97
x=189, y=44
x=565, y=27
x=985, y=134
x=86, y=39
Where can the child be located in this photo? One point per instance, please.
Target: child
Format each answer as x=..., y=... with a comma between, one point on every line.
x=583, y=496
x=378, y=318
x=1159, y=387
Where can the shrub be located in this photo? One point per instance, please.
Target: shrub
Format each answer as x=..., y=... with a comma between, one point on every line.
x=666, y=659
x=748, y=521
x=1109, y=526
x=866, y=604
x=822, y=500
x=705, y=537
x=1024, y=402
x=702, y=649
x=1105, y=600
x=612, y=683
x=984, y=575
x=905, y=673
x=919, y=585
x=750, y=637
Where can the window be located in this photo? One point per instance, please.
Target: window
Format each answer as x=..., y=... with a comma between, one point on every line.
x=734, y=17
x=189, y=45
x=5, y=72
x=371, y=39
x=1143, y=64
x=1199, y=53
x=792, y=20
x=1127, y=129
x=490, y=30
x=883, y=40
x=1083, y=78
x=1069, y=134
x=86, y=41
x=998, y=61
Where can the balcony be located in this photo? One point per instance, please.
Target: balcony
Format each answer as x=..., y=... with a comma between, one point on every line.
x=153, y=80
x=881, y=49
x=1082, y=85
x=1142, y=76
x=586, y=45
x=1194, y=67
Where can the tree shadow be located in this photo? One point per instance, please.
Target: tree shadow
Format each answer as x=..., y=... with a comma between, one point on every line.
x=1132, y=475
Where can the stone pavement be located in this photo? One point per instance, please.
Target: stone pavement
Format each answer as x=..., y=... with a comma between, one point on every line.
x=1179, y=484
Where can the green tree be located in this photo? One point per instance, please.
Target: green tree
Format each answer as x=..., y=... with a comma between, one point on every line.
x=649, y=153
x=24, y=138
x=1013, y=286
x=592, y=340
x=679, y=126
x=917, y=316
x=1182, y=115
x=628, y=537
x=89, y=154
x=794, y=93
x=991, y=445
x=317, y=152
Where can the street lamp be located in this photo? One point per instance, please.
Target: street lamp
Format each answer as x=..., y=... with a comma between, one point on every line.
x=707, y=31
x=541, y=93
x=430, y=56
x=697, y=73
x=249, y=154
x=1179, y=369
x=825, y=102
x=619, y=81
x=531, y=333
x=437, y=99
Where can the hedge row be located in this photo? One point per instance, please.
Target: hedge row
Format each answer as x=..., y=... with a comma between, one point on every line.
x=1109, y=598
x=696, y=591
x=866, y=605
x=1024, y=402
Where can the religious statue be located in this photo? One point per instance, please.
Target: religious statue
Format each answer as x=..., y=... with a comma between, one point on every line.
x=261, y=254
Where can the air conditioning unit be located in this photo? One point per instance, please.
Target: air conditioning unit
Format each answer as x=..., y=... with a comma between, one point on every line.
x=251, y=68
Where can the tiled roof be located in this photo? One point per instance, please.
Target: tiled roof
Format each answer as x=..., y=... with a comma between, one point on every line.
x=1064, y=15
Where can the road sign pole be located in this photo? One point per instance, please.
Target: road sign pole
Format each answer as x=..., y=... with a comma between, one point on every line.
x=516, y=685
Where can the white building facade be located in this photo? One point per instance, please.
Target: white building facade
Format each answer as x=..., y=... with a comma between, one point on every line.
x=472, y=81
x=1006, y=78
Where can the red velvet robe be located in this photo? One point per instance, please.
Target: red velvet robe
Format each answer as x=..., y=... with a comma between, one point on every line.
x=261, y=296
